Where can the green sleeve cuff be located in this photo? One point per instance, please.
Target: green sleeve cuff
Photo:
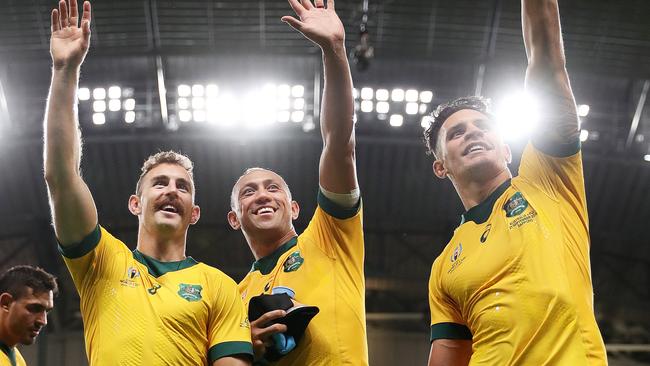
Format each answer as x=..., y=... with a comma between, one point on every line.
x=226, y=349
x=335, y=210
x=557, y=150
x=450, y=331
x=84, y=247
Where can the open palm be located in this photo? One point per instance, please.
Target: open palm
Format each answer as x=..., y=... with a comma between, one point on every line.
x=319, y=24
x=69, y=42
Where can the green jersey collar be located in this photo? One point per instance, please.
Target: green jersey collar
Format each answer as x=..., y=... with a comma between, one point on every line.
x=481, y=212
x=266, y=264
x=157, y=268
x=10, y=352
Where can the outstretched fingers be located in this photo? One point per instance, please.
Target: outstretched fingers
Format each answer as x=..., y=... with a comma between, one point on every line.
x=307, y=4
x=74, y=13
x=63, y=14
x=297, y=7
x=293, y=22
x=56, y=22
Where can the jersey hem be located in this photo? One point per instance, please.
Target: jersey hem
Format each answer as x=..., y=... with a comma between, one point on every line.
x=450, y=331
x=335, y=210
x=557, y=150
x=85, y=246
x=232, y=348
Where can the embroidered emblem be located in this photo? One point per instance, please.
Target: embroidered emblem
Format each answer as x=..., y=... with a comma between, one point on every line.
x=293, y=262
x=515, y=205
x=132, y=274
x=456, y=253
x=190, y=293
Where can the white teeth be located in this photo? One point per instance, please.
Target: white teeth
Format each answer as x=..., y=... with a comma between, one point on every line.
x=264, y=210
x=169, y=208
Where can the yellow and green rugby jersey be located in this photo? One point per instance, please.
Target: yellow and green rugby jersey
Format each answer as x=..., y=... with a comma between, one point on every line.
x=324, y=267
x=139, y=311
x=10, y=356
x=515, y=277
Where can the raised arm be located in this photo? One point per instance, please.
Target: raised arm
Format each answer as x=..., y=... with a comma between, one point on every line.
x=322, y=26
x=73, y=208
x=546, y=75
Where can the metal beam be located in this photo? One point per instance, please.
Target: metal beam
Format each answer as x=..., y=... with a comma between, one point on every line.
x=637, y=114
x=489, y=45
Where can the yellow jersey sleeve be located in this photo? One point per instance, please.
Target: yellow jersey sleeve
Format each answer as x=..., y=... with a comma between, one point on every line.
x=446, y=320
x=93, y=259
x=229, y=332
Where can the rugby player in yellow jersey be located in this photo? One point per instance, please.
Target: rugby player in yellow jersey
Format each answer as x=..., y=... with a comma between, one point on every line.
x=26, y=296
x=153, y=305
x=513, y=286
x=323, y=266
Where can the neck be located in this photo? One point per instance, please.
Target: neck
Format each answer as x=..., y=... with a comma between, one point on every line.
x=262, y=247
x=473, y=192
x=5, y=338
x=165, y=248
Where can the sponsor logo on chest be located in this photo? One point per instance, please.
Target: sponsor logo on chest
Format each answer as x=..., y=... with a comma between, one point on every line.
x=189, y=292
x=514, y=207
x=456, y=258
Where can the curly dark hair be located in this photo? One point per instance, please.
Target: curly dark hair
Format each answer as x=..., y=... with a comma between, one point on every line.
x=445, y=110
x=16, y=280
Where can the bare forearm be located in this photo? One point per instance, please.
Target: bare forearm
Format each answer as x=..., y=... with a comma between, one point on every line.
x=338, y=105
x=62, y=137
x=542, y=33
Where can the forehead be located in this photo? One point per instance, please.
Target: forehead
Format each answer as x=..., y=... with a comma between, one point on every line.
x=259, y=177
x=45, y=298
x=463, y=116
x=170, y=170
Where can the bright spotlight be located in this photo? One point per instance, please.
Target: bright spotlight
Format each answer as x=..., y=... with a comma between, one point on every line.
x=99, y=93
x=583, y=110
x=297, y=116
x=284, y=116
x=129, y=117
x=426, y=96
x=284, y=103
x=183, y=103
x=584, y=135
x=99, y=118
x=198, y=90
x=382, y=95
x=366, y=106
x=211, y=91
x=366, y=93
x=383, y=107
x=128, y=93
x=355, y=93
x=114, y=92
x=99, y=106
x=284, y=90
x=411, y=95
x=646, y=157
x=412, y=108
x=185, y=116
x=297, y=91
x=114, y=105
x=83, y=94
x=426, y=122
x=299, y=103
x=198, y=103
x=396, y=120
x=517, y=116
x=423, y=108
x=129, y=104
x=397, y=95
x=184, y=90
x=308, y=126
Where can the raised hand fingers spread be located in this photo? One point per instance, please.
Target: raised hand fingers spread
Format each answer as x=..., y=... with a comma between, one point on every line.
x=63, y=14
x=87, y=15
x=293, y=22
x=74, y=13
x=320, y=4
x=56, y=24
x=307, y=4
x=297, y=7
x=330, y=4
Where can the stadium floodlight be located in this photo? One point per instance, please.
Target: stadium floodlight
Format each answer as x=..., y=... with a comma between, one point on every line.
x=396, y=120
x=426, y=96
x=211, y=90
x=114, y=105
x=382, y=95
x=184, y=90
x=128, y=92
x=198, y=103
x=114, y=92
x=646, y=157
x=129, y=104
x=383, y=107
x=99, y=93
x=298, y=91
x=283, y=116
x=129, y=117
x=517, y=116
x=355, y=93
x=284, y=90
x=411, y=95
x=426, y=122
x=423, y=108
x=366, y=106
x=99, y=106
x=583, y=110
x=412, y=108
x=308, y=126
x=99, y=118
x=183, y=103
x=83, y=94
x=584, y=135
x=198, y=90
x=284, y=103
x=199, y=116
x=297, y=116
x=397, y=95
x=367, y=93
x=299, y=103
x=185, y=115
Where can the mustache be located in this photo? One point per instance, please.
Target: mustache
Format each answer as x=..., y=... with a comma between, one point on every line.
x=170, y=201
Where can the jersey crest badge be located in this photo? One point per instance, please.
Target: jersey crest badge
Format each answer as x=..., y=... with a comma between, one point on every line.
x=456, y=253
x=293, y=262
x=132, y=274
x=190, y=293
x=515, y=205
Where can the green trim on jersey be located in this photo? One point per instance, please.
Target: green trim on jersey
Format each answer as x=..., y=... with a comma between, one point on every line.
x=481, y=212
x=450, y=331
x=557, y=150
x=157, y=268
x=10, y=352
x=225, y=349
x=335, y=210
x=82, y=248
x=266, y=264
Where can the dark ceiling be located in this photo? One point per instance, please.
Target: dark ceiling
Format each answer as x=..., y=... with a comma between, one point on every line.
x=449, y=47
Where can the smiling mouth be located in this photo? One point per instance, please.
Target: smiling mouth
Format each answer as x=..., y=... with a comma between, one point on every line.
x=264, y=211
x=476, y=147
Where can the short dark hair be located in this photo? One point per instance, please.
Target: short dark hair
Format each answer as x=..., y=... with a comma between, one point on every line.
x=165, y=157
x=15, y=280
x=445, y=110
